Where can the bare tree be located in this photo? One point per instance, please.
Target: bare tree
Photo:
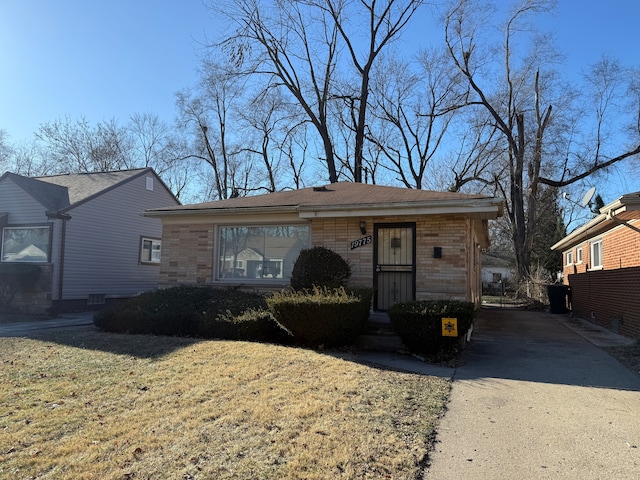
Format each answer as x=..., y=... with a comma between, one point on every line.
x=384, y=22
x=79, y=147
x=519, y=100
x=294, y=46
x=5, y=149
x=418, y=105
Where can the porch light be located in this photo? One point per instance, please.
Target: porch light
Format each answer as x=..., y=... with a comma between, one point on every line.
x=363, y=227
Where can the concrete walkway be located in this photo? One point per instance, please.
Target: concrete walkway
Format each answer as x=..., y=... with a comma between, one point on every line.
x=18, y=329
x=537, y=399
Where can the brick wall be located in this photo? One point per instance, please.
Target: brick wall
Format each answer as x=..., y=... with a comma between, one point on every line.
x=608, y=297
x=187, y=254
x=620, y=249
x=446, y=277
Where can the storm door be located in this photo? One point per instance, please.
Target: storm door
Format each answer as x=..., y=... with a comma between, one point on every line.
x=395, y=273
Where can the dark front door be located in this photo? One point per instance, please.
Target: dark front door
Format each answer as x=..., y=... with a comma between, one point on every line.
x=395, y=275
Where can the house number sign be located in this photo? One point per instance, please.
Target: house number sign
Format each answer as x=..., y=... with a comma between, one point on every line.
x=361, y=241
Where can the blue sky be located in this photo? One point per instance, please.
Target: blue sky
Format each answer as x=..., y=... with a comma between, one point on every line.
x=106, y=59
x=98, y=58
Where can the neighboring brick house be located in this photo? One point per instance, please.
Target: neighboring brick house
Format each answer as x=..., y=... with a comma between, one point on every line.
x=602, y=266
x=86, y=233
x=408, y=244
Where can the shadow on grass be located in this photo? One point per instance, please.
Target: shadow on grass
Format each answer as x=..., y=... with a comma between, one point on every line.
x=90, y=338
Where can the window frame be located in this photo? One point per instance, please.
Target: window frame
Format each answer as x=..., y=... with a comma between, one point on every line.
x=592, y=266
x=270, y=261
x=568, y=258
x=153, y=240
x=579, y=255
x=47, y=226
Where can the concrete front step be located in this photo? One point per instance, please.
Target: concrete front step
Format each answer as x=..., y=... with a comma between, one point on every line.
x=379, y=335
x=380, y=343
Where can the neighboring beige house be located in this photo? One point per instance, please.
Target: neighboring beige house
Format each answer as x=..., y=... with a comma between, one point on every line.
x=602, y=266
x=87, y=234
x=408, y=244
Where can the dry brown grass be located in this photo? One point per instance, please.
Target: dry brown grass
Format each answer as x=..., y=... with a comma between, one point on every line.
x=94, y=405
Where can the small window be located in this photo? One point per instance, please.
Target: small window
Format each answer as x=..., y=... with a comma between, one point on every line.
x=25, y=244
x=96, y=299
x=569, y=260
x=149, y=181
x=596, y=254
x=579, y=255
x=150, y=250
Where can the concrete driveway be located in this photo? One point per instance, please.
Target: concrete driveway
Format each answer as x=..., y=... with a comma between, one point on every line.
x=536, y=400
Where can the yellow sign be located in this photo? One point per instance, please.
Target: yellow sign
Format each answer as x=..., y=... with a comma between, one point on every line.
x=449, y=327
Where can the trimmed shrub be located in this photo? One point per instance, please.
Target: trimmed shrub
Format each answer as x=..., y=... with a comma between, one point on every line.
x=319, y=267
x=193, y=311
x=419, y=324
x=322, y=316
x=251, y=325
x=14, y=278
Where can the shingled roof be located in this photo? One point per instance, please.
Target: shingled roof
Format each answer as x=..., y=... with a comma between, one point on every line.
x=339, y=197
x=82, y=186
x=62, y=192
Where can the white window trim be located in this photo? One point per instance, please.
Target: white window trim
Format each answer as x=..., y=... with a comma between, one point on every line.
x=154, y=241
x=569, y=258
x=591, y=265
x=579, y=255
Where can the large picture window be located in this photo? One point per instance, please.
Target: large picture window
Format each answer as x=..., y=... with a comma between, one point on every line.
x=25, y=244
x=260, y=253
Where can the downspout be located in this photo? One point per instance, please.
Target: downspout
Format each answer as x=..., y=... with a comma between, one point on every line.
x=63, y=237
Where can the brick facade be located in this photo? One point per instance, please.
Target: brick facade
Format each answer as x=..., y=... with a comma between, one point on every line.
x=189, y=249
x=609, y=298
x=187, y=254
x=608, y=295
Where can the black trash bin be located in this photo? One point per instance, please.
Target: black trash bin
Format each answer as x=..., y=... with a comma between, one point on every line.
x=558, y=295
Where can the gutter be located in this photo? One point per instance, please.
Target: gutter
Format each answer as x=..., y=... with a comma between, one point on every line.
x=489, y=208
x=63, y=240
x=605, y=219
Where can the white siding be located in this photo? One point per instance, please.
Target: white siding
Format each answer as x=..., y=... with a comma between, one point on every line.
x=102, y=252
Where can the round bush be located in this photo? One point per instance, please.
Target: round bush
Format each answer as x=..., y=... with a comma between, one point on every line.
x=319, y=267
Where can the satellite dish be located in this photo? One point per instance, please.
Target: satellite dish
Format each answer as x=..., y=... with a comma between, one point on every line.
x=587, y=197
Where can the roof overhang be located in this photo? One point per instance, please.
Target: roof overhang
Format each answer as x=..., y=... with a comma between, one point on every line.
x=479, y=208
x=485, y=208
x=617, y=213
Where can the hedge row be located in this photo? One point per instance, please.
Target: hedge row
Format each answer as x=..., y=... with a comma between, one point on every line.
x=312, y=317
x=419, y=324
x=322, y=316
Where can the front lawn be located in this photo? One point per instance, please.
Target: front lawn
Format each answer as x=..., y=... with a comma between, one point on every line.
x=86, y=404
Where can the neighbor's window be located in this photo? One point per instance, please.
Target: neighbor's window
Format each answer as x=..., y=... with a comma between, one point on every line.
x=259, y=253
x=579, y=255
x=150, y=250
x=569, y=258
x=596, y=254
x=25, y=244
